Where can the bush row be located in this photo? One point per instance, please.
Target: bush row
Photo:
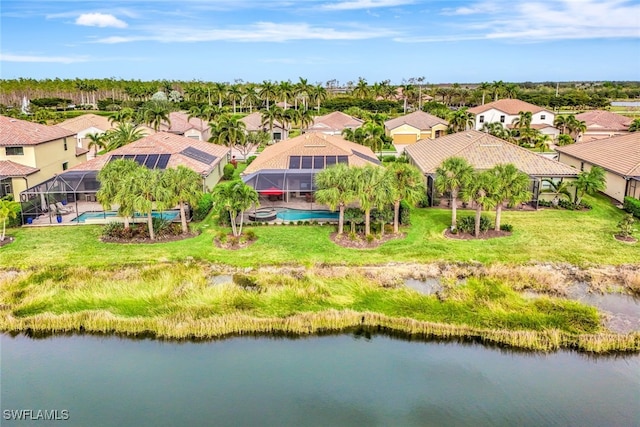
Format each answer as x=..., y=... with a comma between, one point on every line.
x=162, y=228
x=632, y=206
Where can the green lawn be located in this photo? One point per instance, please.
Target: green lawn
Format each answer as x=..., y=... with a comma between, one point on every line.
x=547, y=235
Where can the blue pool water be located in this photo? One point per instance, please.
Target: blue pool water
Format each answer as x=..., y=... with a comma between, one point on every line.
x=168, y=215
x=300, y=215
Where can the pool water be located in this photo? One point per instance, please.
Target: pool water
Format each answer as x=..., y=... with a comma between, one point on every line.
x=302, y=215
x=167, y=215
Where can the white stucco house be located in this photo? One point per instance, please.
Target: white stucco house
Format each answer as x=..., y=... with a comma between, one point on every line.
x=505, y=111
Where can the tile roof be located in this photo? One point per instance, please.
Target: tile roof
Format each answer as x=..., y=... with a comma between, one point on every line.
x=253, y=122
x=180, y=123
x=417, y=119
x=618, y=154
x=509, y=106
x=335, y=122
x=21, y=132
x=9, y=168
x=86, y=121
x=604, y=120
x=164, y=143
x=483, y=151
x=80, y=151
x=276, y=156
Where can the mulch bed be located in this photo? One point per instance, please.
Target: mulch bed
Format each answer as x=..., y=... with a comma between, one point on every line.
x=361, y=242
x=7, y=240
x=625, y=239
x=159, y=239
x=233, y=246
x=484, y=235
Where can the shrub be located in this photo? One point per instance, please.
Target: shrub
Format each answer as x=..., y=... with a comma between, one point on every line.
x=251, y=235
x=370, y=238
x=405, y=213
x=250, y=159
x=389, y=158
x=506, y=227
x=203, y=207
x=113, y=229
x=632, y=205
x=625, y=226
x=234, y=241
x=467, y=224
x=227, y=171
x=161, y=227
x=353, y=235
x=221, y=237
x=545, y=203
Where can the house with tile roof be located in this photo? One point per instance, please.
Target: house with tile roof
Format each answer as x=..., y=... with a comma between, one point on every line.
x=334, y=123
x=254, y=123
x=181, y=124
x=619, y=156
x=412, y=127
x=287, y=169
x=505, y=111
x=84, y=125
x=484, y=151
x=31, y=153
x=603, y=124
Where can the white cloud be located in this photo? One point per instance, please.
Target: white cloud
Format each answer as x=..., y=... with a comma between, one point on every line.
x=365, y=4
x=100, y=20
x=7, y=57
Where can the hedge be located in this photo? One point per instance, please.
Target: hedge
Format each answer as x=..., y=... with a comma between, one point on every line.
x=632, y=206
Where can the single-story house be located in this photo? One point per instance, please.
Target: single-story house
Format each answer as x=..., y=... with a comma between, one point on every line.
x=412, y=127
x=287, y=169
x=181, y=124
x=603, y=124
x=334, y=123
x=619, y=156
x=254, y=123
x=484, y=151
x=505, y=111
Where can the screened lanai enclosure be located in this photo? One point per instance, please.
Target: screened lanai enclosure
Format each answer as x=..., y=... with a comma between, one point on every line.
x=66, y=190
x=283, y=184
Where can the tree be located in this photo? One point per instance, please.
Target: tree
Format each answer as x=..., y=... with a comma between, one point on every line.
x=125, y=115
x=496, y=129
x=452, y=176
x=361, y=91
x=558, y=189
x=122, y=135
x=408, y=185
x=286, y=91
x=374, y=190
x=512, y=187
x=219, y=89
x=251, y=97
x=268, y=91
x=270, y=117
x=373, y=136
x=336, y=188
x=228, y=131
x=317, y=94
x=96, y=141
x=482, y=191
x=155, y=114
x=146, y=188
x=461, y=120
x=523, y=120
x=497, y=88
x=234, y=197
x=634, y=126
x=589, y=182
x=235, y=95
x=185, y=186
x=564, y=139
x=8, y=210
x=113, y=178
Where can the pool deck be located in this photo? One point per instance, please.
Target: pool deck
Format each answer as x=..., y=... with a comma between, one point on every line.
x=82, y=207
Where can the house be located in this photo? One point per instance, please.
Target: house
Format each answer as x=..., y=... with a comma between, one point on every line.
x=254, y=123
x=32, y=153
x=484, y=151
x=619, y=156
x=412, y=127
x=505, y=111
x=287, y=169
x=603, y=124
x=181, y=124
x=334, y=123
x=84, y=125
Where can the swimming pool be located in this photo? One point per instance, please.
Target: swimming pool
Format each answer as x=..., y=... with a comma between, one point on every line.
x=303, y=215
x=167, y=215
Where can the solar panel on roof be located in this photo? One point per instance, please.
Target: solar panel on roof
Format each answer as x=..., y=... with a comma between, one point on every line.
x=140, y=159
x=151, y=160
x=370, y=159
x=128, y=156
x=163, y=160
x=198, y=155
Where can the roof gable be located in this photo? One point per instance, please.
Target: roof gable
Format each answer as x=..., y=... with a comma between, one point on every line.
x=600, y=119
x=336, y=121
x=86, y=121
x=417, y=119
x=511, y=107
x=14, y=132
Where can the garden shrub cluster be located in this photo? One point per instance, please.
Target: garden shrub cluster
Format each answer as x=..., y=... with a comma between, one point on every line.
x=227, y=171
x=162, y=228
x=250, y=159
x=202, y=209
x=564, y=204
x=467, y=224
x=632, y=206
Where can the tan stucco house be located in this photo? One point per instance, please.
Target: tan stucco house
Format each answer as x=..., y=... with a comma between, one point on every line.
x=181, y=124
x=412, y=127
x=334, y=123
x=254, y=123
x=603, y=124
x=619, y=156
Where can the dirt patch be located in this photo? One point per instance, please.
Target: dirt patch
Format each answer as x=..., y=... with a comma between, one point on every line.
x=484, y=235
x=360, y=242
x=625, y=239
x=7, y=241
x=160, y=239
x=233, y=243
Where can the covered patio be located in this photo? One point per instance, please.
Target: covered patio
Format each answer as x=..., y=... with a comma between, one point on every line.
x=277, y=187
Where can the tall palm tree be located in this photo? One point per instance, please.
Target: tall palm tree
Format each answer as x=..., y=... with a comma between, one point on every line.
x=122, y=135
x=286, y=91
x=303, y=90
x=234, y=93
x=361, y=90
x=558, y=189
x=461, y=120
x=305, y=119
x=122, y=116
x=575, y=127
x=409, y=185
x=270, y=117
x=497, y=88
x=496, y=129
x=512, y=187
x=374, y=190
x=155, y=114
x=523, y=120
x=483, y=88
x=452, y=176
x=317, y=94
x=96, y=141
x=228, y=131
x=251, y=97
x=373, y=136
x=113, y=179
x=219, y=89
x=186, y=188
x=336, y=188
x=481, y=190
x=234, y=197
x=561, y=123
x=589, y=182
x=511, y=90
x=148, y=188
x=268, y=91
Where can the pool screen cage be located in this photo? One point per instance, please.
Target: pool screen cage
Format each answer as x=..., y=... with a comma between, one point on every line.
x=282, y=183
x=67, y=189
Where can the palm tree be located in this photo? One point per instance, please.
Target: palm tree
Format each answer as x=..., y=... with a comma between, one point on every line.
x=304, y=89
x=268, y=91
x=575, y=127
x=125, y=115
x=361, y=90
x=589, y=182
x=122, y=135
x=96, y=140
x=409, y=185
x=511, y=90
x=482, y=191
x=305, y=119
x=496, y=129
x=8, y=210
x=542, y=141
x=373, y=136
x=497, y=88
x=461, y=120
x=512, y=187
x=228, y=131
x=558, y=189
x=235, y=95
x=634, y=126
x=219, y=89
x=523, y=120
x=147, y=187
x=452, y=176
x=336, y=188
x=561, y=123
x=374, y=190
x=186, y=188
x=113, y=178
x=155, y=114
x=251, y=97
x=286, y=91
x=317, y=94
x=270, y=117
x=234, y=197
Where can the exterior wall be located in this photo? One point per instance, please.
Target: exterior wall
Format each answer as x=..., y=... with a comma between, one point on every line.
x=616, y=184
x=438, y=130
x=20, y=184
x=405, y=134
x=81, y=138
x=27, y=159
x=537, y=118
x=493, y=116
x=551, y=131
x=216, y=174
x=195, y=134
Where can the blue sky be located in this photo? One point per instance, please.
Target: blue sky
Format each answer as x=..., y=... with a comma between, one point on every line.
x=321, y=40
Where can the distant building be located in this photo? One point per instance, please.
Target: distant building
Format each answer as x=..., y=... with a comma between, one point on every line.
x=603, y=124
x=334, y=123
x=505, y=111
x=412, y=127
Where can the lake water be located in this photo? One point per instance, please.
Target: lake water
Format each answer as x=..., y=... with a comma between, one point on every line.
x=625, y=104
x=343, y=380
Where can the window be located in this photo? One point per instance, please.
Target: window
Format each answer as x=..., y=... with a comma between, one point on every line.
x=65, y=144
x=65, y=165
x=582, y=166
x=318, y=162
x=294, y=162
x=481, y=119
x=502, y=119
x=542, y=117
x=307, y=162
x=14, y=151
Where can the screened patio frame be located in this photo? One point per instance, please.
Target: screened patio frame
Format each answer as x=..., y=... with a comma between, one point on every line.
x=285, y=180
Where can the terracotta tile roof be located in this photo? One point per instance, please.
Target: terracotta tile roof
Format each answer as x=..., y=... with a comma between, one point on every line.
x=276, y=156
x=253, y=122
x=509, y=106
x=417, y=119
x=483, y=151
x=22, y=132
x=164, y=143
x=537, y=126
x=618, y=154
x=335, y=122
x=604, y=120
x=86, y=121
x=80, y=151
x=9, y=168
x=180, y=123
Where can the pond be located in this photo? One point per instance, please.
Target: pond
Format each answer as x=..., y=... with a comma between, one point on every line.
x=338, y=380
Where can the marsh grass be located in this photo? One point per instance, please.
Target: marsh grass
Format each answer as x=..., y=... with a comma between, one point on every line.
x=177, y=301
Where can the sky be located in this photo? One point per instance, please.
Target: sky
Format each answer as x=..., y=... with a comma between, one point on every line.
x=320, y=40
